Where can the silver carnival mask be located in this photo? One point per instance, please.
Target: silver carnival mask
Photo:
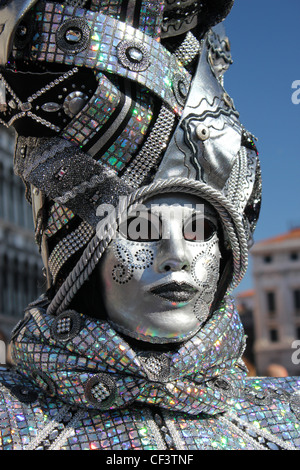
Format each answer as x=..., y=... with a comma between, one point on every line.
x=160, y=274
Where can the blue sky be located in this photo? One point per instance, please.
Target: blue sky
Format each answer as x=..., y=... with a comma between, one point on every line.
x=265, y=44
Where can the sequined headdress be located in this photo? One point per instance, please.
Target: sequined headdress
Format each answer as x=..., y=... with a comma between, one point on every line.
x=121, y=98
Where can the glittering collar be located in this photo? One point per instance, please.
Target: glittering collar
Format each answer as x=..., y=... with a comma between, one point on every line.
x=84, y=362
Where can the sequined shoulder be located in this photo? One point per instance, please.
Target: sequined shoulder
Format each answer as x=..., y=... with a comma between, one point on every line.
x=16, y=394
x=270, y=410
x=264, y=390
x=15, y=385
x=24, y=411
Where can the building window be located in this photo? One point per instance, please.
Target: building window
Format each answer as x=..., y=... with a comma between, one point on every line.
x=271, y=304
x=268, y=259
x=273, y=335
x=294, y=256
x=297, y=300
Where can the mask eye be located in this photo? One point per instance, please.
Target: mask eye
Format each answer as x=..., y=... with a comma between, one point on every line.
x=145, y=227
x=198, y=229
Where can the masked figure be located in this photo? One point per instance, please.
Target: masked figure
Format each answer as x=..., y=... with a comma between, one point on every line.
x=146, y=192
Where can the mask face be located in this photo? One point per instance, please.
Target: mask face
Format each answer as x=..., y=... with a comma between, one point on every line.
x=159, y=276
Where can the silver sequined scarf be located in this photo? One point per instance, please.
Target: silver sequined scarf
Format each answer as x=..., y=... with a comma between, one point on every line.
x=84, y=362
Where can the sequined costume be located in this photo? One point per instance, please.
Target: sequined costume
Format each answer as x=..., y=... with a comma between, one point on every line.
x=150, y=404
x=116, y=103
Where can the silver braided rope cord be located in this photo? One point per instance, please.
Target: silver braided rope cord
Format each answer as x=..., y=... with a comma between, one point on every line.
x=107, y=229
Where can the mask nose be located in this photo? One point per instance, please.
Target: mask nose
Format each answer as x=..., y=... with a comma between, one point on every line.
x=172, y=256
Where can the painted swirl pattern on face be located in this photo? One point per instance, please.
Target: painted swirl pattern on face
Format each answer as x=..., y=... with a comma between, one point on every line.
x=205, y=270
x=205, y=265
x=122, y=273
x=131, y=257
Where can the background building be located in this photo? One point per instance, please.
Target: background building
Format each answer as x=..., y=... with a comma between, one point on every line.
x=20, y=266
x=276, y=302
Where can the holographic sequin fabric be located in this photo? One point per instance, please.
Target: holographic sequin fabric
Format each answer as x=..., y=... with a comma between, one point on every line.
x=94, y=355
x=80, y=386
x=120, y=153
x=149, y=16
x=59, y=216
x=248, y=426
x=95, y=114
x=30, y=420
x=101, y=40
